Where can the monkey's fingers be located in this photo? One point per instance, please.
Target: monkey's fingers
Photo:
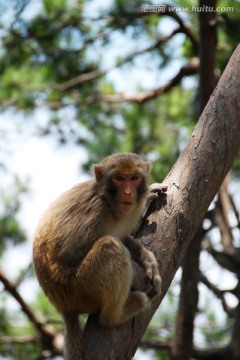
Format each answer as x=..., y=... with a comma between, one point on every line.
x=156, y=279
x=158, y=188
x=157, y=283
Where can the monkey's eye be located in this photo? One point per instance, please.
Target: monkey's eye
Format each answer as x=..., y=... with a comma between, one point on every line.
x=135, y=177
x=119, y=177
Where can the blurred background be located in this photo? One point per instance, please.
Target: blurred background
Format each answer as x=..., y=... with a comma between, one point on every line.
x=81, y=80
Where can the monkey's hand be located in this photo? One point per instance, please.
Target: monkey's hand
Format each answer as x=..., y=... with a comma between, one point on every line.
x=155, y=189
x=151, y=270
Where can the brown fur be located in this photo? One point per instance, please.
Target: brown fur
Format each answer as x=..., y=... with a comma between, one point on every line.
x=84, y=259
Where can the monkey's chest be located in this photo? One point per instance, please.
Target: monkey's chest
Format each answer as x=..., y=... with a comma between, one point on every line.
x=121, y=228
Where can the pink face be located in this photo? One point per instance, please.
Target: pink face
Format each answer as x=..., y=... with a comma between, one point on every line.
x=126, y=186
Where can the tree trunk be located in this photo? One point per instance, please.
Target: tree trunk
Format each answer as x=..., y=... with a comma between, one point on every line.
x=193, y=182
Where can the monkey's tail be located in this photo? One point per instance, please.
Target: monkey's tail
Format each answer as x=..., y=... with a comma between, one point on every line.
x=73, y=348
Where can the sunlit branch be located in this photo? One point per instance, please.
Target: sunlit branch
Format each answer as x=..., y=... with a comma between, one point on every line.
x=190, y=69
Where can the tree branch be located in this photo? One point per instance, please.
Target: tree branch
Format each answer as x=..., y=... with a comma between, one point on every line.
x=167, y=10
x=24, y=339
x=185, y=29
x=46, y=332
x=218, y=293
x=157, y=345
x=189, y=69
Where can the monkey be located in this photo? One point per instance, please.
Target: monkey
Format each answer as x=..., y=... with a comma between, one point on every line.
x=85, y=258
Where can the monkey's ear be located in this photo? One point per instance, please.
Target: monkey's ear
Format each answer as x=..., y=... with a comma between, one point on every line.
x=147, y=166
x=98, y=172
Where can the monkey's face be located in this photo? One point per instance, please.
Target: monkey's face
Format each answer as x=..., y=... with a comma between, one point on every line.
x=122, y=180
x=126, y=191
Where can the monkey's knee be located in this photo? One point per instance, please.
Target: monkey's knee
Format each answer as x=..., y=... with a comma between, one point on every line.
x=112, y=258
x=107, y=267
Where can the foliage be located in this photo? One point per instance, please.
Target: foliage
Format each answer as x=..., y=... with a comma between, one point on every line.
x=10, y=229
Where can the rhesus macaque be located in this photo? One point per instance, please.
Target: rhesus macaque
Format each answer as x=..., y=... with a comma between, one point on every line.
x=85, y=259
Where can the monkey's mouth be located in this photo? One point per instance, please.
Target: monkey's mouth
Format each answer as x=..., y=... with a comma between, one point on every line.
x=127, y=205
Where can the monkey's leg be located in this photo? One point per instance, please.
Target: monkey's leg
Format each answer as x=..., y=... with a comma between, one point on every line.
x=108, y=279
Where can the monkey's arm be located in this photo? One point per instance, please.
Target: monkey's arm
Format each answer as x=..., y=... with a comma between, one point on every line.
x=146, y=259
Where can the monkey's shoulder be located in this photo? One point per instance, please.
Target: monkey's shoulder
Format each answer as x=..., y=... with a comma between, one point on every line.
x=73, y=212
x=80, y=198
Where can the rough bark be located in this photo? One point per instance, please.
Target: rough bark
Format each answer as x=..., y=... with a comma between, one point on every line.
x=193, y=182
